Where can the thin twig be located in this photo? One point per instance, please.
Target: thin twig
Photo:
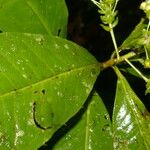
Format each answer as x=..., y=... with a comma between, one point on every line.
x=136, y=70
x=114, y=61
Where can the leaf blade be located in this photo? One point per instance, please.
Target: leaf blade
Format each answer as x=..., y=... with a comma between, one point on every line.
x=130, y=118
x=132, y=41
x=90, y=131
x=40, y=90
x=31, y=16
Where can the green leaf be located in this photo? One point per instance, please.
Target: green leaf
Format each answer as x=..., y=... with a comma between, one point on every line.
x=145, y=6
x=132, y=41
x=131, y=120
x=147, y=63
x=44, y=81
x=131, y=71
x=92, y=131
x=33, y=16
x=115, y=23
x=105, y=27
x=147, y=42
x=148, y=87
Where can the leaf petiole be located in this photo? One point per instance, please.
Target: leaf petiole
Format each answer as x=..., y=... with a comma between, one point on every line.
x=114, y=41
x=148, y=26
x=113, y=61
x=136, y=70
x=146, y=52
x=116, y=2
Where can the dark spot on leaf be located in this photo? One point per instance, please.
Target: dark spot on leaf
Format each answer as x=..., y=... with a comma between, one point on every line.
x=59, y=30
x=1, y=31
x=93, y=71
x=56, y=77
x=106, y=116
x=43, y=91
x=69, y=70
x=105, y=127
x=3, y=138
x=41, y=42
x=35, y=92
x=145, y=114
x=52, y=115
x=36, y=122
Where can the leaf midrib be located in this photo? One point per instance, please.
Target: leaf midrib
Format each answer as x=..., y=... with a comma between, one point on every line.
x=87, y=127
x=30, y=5
x=137, y=121
x=67, y=72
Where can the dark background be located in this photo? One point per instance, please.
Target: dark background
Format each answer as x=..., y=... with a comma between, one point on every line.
x=84, y=28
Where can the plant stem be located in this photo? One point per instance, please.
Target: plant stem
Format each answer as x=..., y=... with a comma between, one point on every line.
x=148, y=25
x=95, y=2
x=111, y=62
x=146, y=53
x=116, y=2
x=136, y=70
x=114, y=41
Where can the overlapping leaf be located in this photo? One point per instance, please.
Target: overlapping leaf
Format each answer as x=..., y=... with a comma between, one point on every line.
x=138, y=41
x=33, y=16
x=43, y=82
x=93, y=131
x=131, y=120
x=132, y=41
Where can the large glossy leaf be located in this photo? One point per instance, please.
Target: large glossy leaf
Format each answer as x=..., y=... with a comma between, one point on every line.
x=43, y=82
x=92, y=131
x=131, y=120
x=33, y=16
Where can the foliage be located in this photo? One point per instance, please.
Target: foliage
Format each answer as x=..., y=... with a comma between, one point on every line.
x=47, y=82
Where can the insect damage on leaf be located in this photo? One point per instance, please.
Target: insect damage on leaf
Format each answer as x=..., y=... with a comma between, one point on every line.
x=36, y=121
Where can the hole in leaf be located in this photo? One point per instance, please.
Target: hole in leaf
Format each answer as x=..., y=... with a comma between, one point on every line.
x=35, y=92
x=106, y=127
x=59, y=30
x=43, y=91
x=36, y=122
x=106, y=116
